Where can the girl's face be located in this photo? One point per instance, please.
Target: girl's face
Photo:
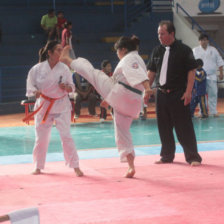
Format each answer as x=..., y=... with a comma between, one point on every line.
x=55, y=55
x=121, y=52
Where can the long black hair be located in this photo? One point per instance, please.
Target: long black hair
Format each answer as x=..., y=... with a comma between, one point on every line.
x=50, y=46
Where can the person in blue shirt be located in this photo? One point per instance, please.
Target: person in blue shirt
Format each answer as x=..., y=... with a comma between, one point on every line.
x=199, y=91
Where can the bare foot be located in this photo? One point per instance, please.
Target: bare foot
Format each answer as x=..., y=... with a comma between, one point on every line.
x=131, y=170
x=65, y=58
x=36, y=172
x=78, y=172
x=130, y=173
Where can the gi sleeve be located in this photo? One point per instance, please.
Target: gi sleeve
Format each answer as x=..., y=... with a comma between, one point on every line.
x=219, y=60
x=30, y=83
x=134, y=72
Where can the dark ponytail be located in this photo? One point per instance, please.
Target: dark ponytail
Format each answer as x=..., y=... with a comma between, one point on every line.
x=43, y=52
x=130, y=43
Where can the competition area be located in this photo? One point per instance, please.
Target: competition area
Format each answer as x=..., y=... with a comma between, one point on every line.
x=158, y=194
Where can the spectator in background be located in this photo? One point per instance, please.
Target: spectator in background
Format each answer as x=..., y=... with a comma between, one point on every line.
x=199, y=91
x=106, y=67
x=66, y=38
x=66, y=35
x=212, y=61
x=61, y=24
x=84, y=91
x=48, y=24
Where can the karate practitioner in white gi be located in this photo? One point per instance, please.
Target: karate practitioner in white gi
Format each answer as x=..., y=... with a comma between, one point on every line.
x=212, y=61
x=123, y=91
x=51, y=81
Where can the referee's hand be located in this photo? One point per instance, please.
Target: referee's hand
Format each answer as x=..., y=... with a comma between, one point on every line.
x=187, y=98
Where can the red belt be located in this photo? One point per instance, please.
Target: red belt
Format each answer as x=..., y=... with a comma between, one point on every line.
x=51, y=100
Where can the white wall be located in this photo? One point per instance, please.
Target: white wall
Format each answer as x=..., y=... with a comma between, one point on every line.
x=184, y=31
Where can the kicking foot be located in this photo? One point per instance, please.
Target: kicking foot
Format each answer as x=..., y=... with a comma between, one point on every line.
x=78, y=172
x=36, y=172
x=130, y=173
x=65, y=58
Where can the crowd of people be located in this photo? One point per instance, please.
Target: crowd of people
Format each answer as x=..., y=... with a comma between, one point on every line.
x=181, y=82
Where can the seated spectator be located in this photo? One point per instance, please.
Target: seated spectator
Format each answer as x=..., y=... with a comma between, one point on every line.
x=48, y=24
x=84, y=91
x=106, y=67
x=61, y=24
x=66, y=38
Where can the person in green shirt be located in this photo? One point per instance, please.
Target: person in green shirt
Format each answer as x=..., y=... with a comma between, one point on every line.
x=48, y=24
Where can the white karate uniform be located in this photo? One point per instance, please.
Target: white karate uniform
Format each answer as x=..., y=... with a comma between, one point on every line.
x=41, y=77
x=126, y=104
x=212, y=61
x=25, y=216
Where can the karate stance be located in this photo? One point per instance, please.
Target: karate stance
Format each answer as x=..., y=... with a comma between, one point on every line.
x=122, y=91
x=50, y=81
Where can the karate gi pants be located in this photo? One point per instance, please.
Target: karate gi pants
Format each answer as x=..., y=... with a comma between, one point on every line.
x=103, y=85
x=212, y=91
x=43, y=132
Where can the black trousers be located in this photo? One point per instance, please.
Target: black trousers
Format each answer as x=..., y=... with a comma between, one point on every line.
x=172, y=114
x=103, y=113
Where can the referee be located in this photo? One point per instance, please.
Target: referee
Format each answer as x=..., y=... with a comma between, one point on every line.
x=172, y=68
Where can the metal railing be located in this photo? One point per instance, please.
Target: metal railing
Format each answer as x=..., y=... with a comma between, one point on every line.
x=195, y=24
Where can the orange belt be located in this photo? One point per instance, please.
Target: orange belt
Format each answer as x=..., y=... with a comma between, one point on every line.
x=51, y=100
